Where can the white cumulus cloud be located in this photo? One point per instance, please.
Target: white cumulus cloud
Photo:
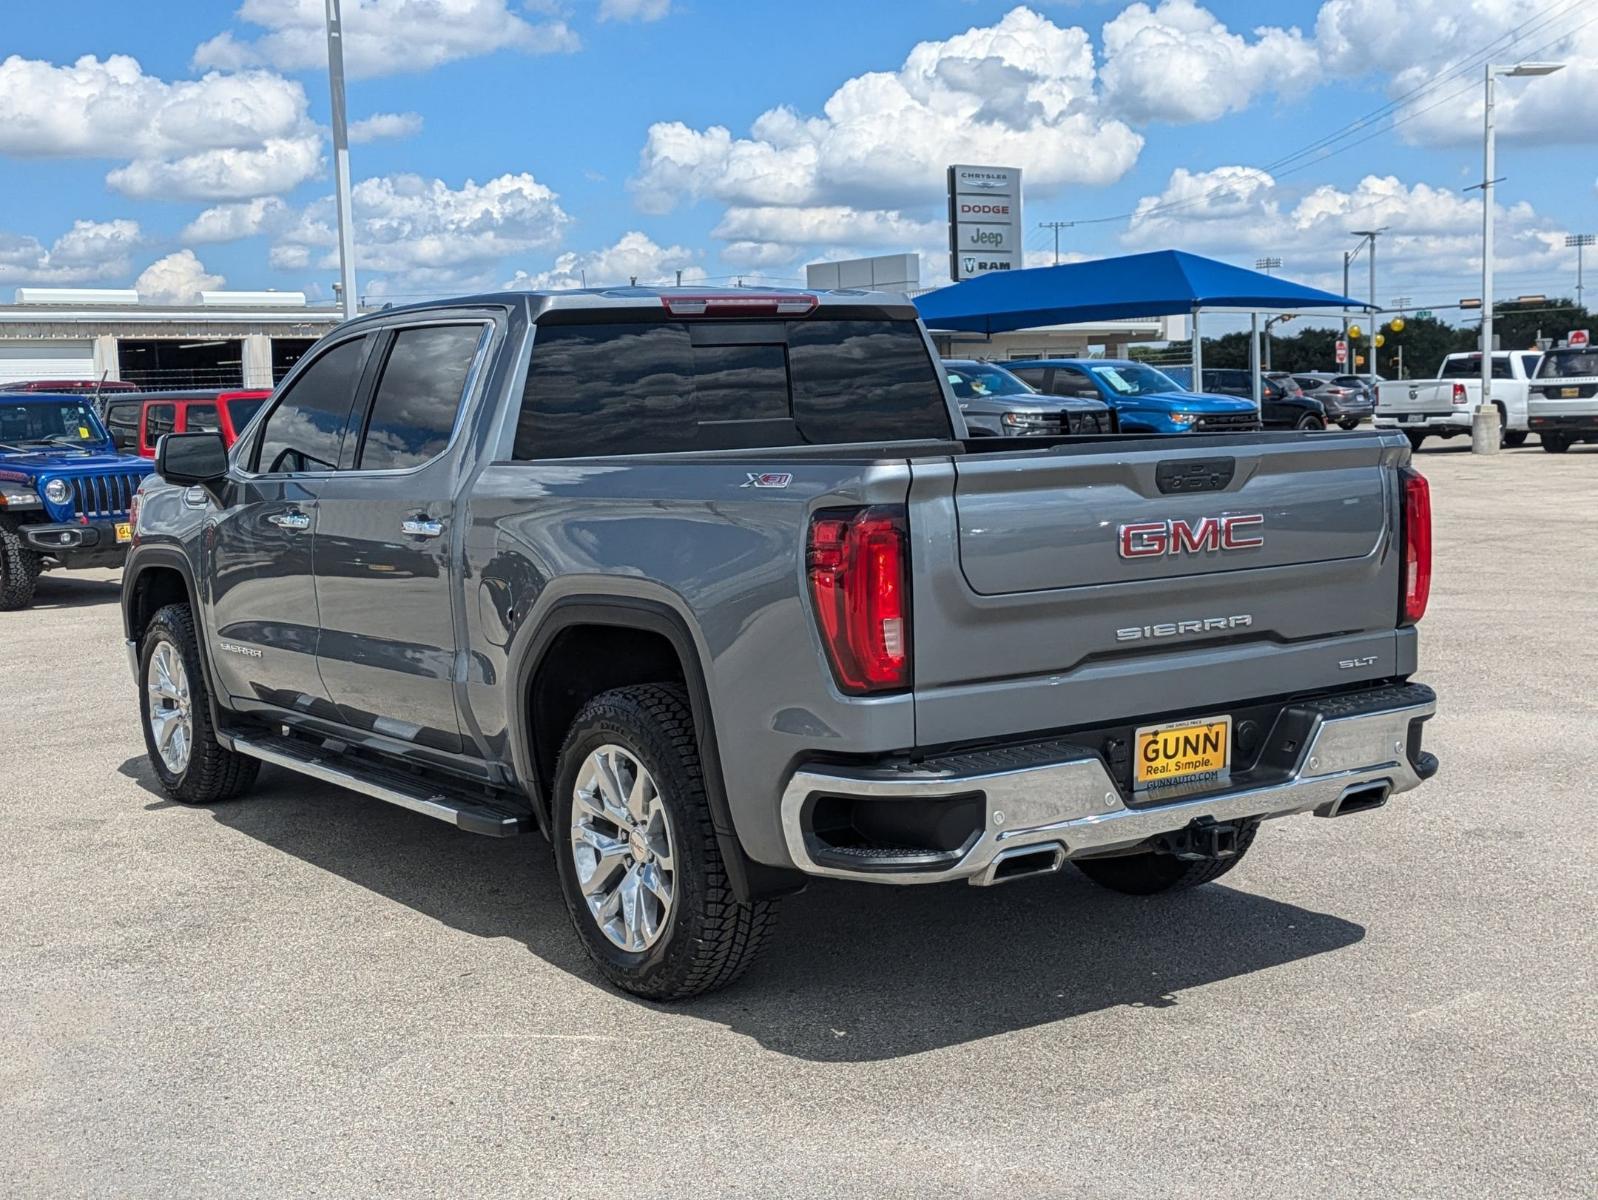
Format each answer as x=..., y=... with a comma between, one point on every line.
x=425, y=234
x=1018, y=92
x=1178, y=63
x=231, y=222
x=1432, y=240
x=633, y=256
x=179, y=278
x=216, y=137
x=1431, y=44
x=89, y=251
x=386, y=125
x=382, y=37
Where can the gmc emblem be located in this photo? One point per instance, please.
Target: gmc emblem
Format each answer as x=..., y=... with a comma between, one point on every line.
x=1151, y=539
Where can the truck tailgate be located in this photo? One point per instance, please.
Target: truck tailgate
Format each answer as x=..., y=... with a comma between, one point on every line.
x=1064, y=587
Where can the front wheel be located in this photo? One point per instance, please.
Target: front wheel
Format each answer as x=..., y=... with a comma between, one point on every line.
x=1555, y=443
x=1148, y=874
x=636, y=851
x=175, y=708
x=19, y=570
x=1349, y=423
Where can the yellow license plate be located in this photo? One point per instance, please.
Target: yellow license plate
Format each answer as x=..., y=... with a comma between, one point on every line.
x=1184, y=752
x=1570, y=393
x=124, y=531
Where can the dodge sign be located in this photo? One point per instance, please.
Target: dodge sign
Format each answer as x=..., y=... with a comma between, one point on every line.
x=984, y=220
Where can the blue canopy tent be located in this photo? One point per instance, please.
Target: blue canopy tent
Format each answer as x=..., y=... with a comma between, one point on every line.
x=1159, y=284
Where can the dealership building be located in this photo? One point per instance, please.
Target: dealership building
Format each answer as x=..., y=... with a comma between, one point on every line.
x=226, y=340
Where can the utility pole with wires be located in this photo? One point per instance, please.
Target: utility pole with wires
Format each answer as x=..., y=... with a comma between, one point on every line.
x=1056, y=226
x=341, y=160
x=1578, y=240
x=1367, y=235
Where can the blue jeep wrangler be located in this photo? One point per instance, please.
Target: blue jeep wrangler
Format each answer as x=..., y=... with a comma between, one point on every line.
x=64, y=491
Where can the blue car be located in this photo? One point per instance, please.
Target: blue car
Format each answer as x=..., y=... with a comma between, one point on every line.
x=1145, y=400
x=64, y=491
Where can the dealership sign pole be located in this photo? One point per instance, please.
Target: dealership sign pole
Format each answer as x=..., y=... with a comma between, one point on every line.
x=984, y=220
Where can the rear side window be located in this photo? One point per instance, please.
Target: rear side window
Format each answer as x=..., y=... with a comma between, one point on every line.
x=1070, y=382
x=643, y=388
x=242, y=411
x=305, y=432
x=1033, y=375
x=201, y=418
x=419, y=395
x=1470, y=368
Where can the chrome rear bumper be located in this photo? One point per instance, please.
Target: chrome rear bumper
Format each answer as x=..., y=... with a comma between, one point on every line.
x=1063, y=801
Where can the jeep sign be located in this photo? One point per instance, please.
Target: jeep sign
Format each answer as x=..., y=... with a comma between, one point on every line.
x=984, y=220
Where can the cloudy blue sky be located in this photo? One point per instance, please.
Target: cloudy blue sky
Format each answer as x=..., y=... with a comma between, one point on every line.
x=183, y=144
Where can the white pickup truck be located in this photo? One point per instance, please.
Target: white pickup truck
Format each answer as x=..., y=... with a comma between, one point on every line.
x=1442, y=407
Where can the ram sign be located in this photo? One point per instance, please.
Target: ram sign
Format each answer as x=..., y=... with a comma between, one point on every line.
x=984, y=220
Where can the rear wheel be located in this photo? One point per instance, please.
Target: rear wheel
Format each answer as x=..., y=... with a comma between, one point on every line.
x=1555, y=443
x=636, y=851
x=1415, y=439
x=1148, y=874
x=174, y=705
x=19, y=570
x=1349, y=423
x=1310, y=421
x=1515, y=437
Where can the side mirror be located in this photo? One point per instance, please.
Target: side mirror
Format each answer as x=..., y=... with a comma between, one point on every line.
x=187, y=459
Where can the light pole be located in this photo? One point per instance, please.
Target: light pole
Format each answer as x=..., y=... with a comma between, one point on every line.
x=341, y=159
x=1578, y=240
x=1268, y=265
x=1369, y=235
x=1490, y=73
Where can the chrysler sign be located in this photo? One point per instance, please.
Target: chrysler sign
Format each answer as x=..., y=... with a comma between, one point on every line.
x=984, y=220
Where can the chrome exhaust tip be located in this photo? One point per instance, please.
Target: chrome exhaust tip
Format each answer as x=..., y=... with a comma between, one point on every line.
x=1021, y=863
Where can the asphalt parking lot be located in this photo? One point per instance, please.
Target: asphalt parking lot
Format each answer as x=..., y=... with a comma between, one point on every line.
x=307, y=992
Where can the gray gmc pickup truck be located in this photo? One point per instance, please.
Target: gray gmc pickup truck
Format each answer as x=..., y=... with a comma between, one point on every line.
x=712, y=590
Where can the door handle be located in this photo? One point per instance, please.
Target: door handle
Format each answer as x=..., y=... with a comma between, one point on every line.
x=290, y=520
x=421, y=527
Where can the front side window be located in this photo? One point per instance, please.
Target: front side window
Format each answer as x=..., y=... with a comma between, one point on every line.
x=419, y=396
x=123, y=421
x=305, y=432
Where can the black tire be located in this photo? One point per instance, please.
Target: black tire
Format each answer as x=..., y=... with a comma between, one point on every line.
x=710, y=938
x=1555, y=443
x=1349, y=424
x=1415, y=439
x=1515, y=438
x=1148, y=874
x=213, y=772
x=19, y=570
x=1310, y=421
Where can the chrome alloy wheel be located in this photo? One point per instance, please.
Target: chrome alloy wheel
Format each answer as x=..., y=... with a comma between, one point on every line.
x=621, y=846
x=171, y=720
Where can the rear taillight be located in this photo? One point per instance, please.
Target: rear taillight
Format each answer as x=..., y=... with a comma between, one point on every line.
x=1417, y=544
x=1459, y=393
x=858, y=562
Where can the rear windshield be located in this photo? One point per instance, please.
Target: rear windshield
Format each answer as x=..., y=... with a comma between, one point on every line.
x=1568, y=364
x=1469, y=367
x=661, y=386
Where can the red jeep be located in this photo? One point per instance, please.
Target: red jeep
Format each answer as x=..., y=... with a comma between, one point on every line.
x=137, y=422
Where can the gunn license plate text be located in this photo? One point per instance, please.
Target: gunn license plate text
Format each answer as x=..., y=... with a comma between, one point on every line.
x=1183, y=752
